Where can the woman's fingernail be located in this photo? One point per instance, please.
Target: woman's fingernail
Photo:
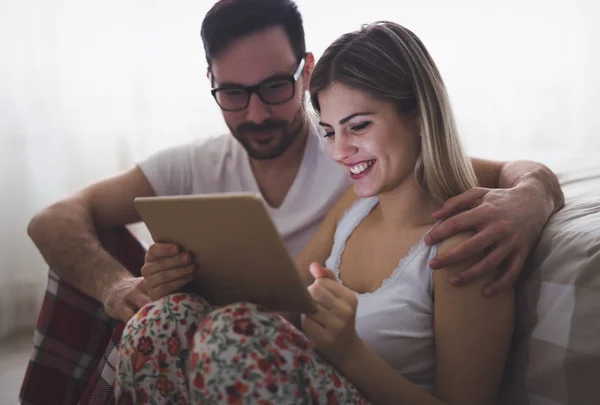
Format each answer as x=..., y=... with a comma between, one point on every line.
x=489, y=292
x=455, y=280
x=434, y=264
x=428, y=239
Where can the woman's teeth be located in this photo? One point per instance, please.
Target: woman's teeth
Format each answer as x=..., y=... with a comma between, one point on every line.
x=361, y=167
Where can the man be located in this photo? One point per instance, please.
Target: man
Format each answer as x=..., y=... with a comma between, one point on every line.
x=259, y=70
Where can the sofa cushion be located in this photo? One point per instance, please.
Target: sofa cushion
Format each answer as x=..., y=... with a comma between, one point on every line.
x=556, y=350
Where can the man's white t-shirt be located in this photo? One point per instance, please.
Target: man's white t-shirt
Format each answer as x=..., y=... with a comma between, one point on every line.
x=220, y=165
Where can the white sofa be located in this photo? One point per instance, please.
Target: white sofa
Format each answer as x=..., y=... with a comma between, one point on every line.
x=556, y=352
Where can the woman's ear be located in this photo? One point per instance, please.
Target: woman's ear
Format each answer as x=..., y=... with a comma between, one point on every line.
x=416, y=123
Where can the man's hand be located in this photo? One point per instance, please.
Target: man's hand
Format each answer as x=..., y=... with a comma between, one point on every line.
x=166, y=269
x=508, y=223
x=125, y=298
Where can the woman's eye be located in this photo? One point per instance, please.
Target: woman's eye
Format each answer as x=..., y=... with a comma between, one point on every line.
x=328, y=134
x=361, y=126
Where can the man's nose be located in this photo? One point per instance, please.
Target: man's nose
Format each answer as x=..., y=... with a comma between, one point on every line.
x=257, y=111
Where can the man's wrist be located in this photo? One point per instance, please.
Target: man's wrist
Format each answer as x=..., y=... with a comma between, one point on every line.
x=535, y=177
x=105, y=284
x=546, y=189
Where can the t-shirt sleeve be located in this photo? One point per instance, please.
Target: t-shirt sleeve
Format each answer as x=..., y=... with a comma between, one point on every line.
x=196, y=167
x=169, y=171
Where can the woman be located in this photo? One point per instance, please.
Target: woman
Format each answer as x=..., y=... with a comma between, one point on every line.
x=388, y=330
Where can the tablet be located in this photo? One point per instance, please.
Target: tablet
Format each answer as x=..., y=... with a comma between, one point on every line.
x=238, y=250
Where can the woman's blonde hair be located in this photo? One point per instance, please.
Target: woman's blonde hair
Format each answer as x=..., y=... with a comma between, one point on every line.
x=390, y=63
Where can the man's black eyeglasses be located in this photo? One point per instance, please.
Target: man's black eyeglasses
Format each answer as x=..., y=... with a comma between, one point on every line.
x=273, y=91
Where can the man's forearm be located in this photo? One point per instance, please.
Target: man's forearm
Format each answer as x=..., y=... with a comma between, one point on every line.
x=537, y=176
x=66, y=237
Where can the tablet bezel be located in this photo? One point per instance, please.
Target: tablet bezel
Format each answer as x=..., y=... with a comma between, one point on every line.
x=239, y=251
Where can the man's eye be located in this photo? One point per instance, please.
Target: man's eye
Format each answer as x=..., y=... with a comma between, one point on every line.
x=233, y=92
x=276, y=85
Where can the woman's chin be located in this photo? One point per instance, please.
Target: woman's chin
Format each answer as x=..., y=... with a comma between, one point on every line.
x=365, y=190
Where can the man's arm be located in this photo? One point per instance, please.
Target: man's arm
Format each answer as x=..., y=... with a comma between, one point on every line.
x=494, y=174
x=507, y=213
x=66, y=235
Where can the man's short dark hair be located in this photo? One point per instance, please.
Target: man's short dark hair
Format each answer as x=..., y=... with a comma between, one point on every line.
x=229, y=20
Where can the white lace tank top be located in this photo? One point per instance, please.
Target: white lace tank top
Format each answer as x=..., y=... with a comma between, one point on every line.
x=396, y=321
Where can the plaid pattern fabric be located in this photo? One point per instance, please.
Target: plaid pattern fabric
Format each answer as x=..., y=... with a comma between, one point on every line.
x=100, y=389
x=73, y=332
x=555, y=357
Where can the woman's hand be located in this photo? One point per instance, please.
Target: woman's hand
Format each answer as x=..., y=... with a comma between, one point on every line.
x=332, y=328
x=166, y=270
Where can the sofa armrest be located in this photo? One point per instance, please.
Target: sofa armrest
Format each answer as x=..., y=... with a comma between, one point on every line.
x=556, y=351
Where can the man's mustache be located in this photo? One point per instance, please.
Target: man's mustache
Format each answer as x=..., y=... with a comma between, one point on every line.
x=264, y=126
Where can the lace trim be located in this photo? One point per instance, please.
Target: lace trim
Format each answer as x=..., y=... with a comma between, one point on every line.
x=404, y=261
x=401, y=264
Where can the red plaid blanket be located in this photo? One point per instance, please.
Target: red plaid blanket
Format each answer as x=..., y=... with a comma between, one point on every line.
x=74, y=338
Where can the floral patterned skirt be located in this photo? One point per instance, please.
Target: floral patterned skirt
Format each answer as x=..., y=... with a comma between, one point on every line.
x=180, y=350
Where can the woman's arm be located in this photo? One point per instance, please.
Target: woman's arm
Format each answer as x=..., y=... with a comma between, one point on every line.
x=472, y=335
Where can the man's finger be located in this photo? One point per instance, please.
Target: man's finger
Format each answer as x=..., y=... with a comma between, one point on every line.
x=490, y=262
x=167, y=276
x=460, y=202
x=166, y=263
x=509, y=277
x=467, y=249
x=465, y=221
x=169, y=288
x=158, y=250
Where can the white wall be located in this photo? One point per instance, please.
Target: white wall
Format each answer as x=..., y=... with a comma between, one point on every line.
x=88, y=87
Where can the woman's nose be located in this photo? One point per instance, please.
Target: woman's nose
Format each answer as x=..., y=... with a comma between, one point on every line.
x=342, y=148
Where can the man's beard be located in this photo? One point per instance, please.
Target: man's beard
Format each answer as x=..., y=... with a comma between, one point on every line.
x=283, y=134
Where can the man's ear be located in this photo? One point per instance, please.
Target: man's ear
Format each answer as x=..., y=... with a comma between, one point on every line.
x=309, y=65
x=210, y=77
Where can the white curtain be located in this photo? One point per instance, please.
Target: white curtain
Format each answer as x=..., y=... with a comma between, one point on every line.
x=87, y=88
